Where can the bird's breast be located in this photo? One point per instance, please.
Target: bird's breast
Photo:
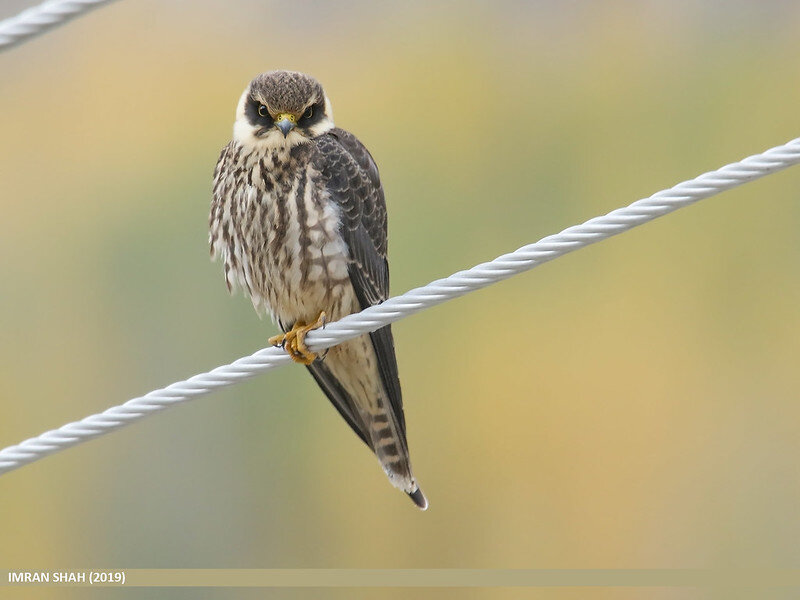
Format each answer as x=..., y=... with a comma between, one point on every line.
x=284, y=244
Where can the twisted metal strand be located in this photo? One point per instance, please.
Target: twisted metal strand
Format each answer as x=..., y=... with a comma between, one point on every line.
x=458, y=284
x=41, y=18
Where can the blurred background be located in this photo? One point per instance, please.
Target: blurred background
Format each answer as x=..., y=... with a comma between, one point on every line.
x=633, y=405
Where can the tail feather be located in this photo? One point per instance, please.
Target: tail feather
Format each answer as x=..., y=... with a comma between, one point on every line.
x=418, y=498
x=361, y=397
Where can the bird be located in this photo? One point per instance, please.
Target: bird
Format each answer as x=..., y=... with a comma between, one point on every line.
x=298, y=219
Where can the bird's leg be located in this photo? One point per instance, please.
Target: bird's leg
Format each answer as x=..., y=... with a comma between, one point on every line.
x=293, y=341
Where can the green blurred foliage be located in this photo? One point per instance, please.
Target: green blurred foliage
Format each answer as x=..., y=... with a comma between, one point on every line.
x=632, y=405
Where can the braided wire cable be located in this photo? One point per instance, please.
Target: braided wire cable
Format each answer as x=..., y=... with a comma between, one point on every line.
x=40, y=18
x=458, y=284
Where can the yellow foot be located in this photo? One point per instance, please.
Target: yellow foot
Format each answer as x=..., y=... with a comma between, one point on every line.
x=293, y=341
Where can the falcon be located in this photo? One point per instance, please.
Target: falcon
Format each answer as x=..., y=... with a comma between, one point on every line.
x=298, y=218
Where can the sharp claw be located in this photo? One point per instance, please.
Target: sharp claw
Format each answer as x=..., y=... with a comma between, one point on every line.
x=293, y=341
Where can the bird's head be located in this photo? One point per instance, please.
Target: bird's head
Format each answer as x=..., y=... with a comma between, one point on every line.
x=282, y=109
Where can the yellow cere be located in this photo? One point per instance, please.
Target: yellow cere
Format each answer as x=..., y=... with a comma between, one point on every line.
x=288, y=116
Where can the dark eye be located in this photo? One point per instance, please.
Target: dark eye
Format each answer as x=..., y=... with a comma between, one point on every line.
x=262, y=110
x=309, y=112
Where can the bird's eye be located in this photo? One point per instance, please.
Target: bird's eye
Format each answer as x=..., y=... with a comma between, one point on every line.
x=262, y=110
x=309, y=112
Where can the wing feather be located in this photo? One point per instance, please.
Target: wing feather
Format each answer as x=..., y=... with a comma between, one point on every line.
x=340, y=399
x=354, y=184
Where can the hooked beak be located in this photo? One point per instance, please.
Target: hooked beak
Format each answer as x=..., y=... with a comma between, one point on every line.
x=285, y=122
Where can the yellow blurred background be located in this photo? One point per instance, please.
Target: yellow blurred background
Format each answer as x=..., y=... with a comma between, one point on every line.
x=633, y=405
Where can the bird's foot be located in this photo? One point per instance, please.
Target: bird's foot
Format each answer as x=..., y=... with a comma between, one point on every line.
x=294, y=340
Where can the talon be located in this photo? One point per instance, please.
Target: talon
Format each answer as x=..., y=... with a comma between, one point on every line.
x=293, y=341
x=278, y=341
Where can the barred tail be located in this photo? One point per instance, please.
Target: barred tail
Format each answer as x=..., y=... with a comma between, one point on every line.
x=389, y=445
x=418, y=498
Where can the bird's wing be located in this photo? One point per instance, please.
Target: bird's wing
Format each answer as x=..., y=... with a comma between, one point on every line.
x=354, y=185
x=340, y=399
